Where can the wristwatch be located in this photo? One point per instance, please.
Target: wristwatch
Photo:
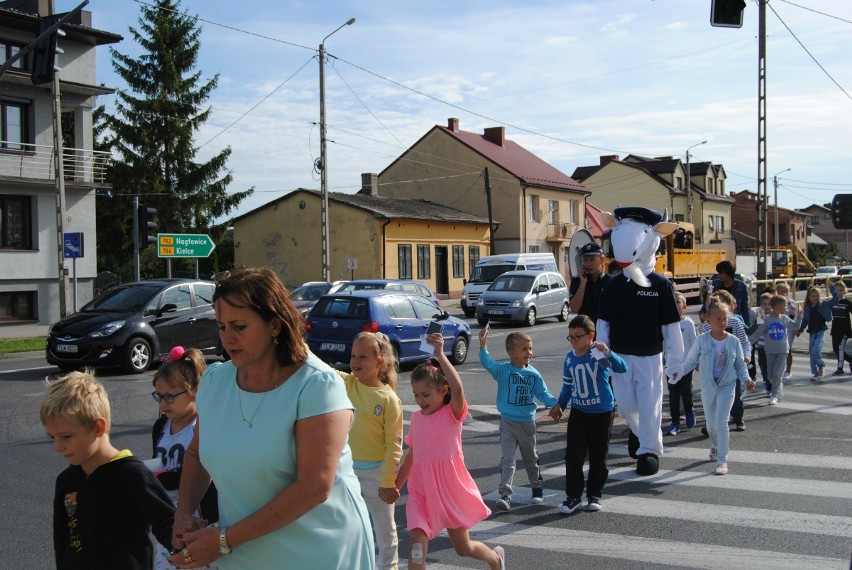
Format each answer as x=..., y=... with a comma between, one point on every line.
x=223, y=541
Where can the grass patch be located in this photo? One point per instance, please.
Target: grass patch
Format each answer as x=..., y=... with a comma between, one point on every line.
x=9, y=345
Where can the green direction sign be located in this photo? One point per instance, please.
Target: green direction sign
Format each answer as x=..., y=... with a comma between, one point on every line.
x=184, y=245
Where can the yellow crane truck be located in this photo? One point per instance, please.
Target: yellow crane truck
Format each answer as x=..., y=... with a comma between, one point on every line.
x=789, y=261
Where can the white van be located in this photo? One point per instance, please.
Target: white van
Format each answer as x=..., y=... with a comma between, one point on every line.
x=489, y=268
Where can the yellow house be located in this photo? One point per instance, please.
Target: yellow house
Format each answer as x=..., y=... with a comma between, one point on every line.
x=370, y=237
x=661, y=183
x=489, y=175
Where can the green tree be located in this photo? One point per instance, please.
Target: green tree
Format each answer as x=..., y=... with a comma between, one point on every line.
x=152, y=133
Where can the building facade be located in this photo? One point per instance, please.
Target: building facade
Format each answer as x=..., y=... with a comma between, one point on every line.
x=30, y=246
x=538, y=207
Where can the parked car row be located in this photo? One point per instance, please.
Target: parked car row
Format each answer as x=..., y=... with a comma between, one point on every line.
x=132, y=326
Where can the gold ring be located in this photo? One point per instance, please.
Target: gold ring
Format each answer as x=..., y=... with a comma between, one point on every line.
x=187, y=558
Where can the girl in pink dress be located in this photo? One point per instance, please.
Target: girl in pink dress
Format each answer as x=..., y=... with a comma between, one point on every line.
x=441, y=492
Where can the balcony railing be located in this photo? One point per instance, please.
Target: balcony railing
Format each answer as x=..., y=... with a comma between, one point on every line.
x=561, y=231
x=23, y=160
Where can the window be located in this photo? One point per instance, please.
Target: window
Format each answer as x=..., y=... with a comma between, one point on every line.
x=180, y=296
x=204, y=294
x=552, y=212
x=710, y=223
x=573, y=211
x=8, y=50
x=533, y=208
x=472, y=256
x=722, y=187
x=399, y=308
x=678, y=217
x=679, y=182
x=403, y=252
x=12, y=125
x=16, y=230
x=720, y=223
x=17, y=306
x=458, y=261
x=424, y=267
x=532, y=249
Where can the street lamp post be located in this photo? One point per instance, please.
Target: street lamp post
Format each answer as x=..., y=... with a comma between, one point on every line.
x=323, y=167
x=689, y=183
x=775, y=181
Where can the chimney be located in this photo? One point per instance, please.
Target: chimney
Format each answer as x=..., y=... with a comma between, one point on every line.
x=453, y=124
x=369, y=184
x=607, y=158
x=497, y=135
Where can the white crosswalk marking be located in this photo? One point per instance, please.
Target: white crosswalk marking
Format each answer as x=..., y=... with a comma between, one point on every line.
x=792, y=510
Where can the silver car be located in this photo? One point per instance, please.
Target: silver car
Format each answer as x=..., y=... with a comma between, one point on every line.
x=524, y=296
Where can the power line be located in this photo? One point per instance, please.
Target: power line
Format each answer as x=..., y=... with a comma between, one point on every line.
x=824, y=70
x=815, y=11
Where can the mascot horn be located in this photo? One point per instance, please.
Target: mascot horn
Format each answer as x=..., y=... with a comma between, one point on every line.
x=638, y=317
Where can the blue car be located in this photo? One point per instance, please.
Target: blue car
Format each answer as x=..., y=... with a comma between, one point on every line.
x=337, y=318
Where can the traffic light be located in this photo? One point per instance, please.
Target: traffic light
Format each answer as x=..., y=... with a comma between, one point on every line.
x=841, y=211
x=146, y=225
x=727, y=13
x=44, y=54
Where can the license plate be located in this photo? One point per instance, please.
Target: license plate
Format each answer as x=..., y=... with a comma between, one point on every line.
x=66, y=348
x=495, y=312
x=333, y=346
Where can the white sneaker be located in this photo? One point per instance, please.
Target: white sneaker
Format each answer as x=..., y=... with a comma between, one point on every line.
x=773, y=401
x=788, y=375
x=721, y=469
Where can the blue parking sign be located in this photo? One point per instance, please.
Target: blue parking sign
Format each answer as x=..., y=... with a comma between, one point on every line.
x=73, y=245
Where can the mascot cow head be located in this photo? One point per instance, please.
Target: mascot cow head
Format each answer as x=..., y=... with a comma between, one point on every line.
x=635, y=238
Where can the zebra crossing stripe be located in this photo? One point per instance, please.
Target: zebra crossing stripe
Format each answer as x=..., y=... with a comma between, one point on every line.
x=643, y=549
x=757, y=457
x=840, y=409
x=706, y=479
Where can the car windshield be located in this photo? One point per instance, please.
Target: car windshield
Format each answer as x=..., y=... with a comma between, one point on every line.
x=512, y=283
x=121, y=299
x=308, y=292
x=488, y=273
x=829, y=269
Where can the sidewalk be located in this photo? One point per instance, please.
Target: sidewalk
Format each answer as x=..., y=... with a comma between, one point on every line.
x=28, y=330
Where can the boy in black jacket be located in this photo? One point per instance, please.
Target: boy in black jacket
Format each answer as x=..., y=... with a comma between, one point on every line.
x=106, y=501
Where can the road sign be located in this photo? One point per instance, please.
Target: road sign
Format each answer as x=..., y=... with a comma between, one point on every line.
x=353, y=263
x=73, y=245
x=184, y=245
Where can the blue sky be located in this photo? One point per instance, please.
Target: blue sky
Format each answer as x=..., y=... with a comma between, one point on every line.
x=571, y=80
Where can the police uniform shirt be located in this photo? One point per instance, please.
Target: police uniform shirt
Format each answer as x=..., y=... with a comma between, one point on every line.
x=636, y=314
x=591, y=295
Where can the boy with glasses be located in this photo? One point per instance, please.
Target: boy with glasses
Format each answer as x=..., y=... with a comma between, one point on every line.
x=585, y=385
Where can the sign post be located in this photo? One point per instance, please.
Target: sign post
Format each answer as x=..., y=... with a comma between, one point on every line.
x=72, y=249
x=353, y=265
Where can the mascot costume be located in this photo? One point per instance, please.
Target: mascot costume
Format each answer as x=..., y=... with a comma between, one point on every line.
x=638, y=316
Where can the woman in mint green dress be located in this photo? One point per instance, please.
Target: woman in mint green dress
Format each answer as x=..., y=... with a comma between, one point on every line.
x=272, y=432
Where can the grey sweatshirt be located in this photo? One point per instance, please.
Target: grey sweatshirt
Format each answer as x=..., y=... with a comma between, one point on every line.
x=773, y=331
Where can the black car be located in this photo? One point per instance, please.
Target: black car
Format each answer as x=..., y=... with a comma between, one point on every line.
x=131, y=325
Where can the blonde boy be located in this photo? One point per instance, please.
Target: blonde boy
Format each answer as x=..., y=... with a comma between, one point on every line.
x=106, y=501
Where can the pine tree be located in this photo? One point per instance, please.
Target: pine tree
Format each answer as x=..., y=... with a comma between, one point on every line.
x=152, y=130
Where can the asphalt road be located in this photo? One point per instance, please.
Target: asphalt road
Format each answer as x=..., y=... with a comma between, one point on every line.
x=786, y=504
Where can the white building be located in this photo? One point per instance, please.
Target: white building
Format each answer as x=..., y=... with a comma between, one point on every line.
x=29, y=253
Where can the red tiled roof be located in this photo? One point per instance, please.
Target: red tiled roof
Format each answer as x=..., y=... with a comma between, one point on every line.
x=593, y=220
x=523, y=164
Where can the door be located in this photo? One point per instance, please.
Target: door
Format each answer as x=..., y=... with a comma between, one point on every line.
x=442, y=275
x=207, y=331
x=176, y=325
x=403, y=326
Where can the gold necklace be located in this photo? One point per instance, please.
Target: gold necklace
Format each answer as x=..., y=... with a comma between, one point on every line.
x=250, y=421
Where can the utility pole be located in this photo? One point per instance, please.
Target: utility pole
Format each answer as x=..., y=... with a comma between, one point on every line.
x=490, y=218
x=761, y=136
x=59, y=175
x=323, y=158
x=689, y=185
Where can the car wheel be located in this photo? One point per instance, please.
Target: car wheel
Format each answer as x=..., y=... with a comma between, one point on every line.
x=459, y=353
x=563, y=315
x=530, y=319
x=137, y=355
x=482, y=322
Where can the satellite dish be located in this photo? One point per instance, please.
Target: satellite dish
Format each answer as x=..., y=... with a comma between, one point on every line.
x=575, y=258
